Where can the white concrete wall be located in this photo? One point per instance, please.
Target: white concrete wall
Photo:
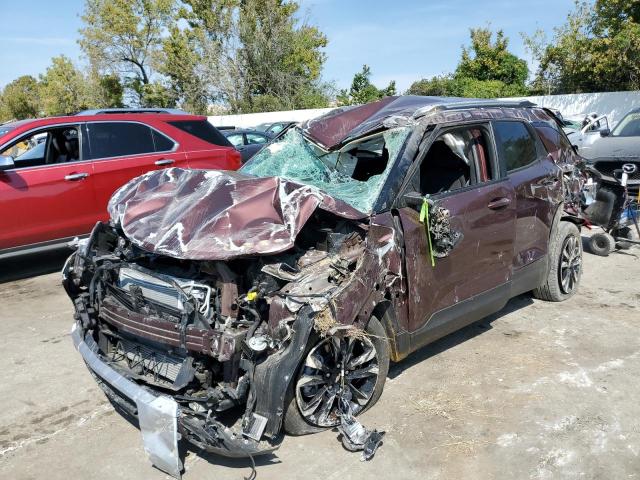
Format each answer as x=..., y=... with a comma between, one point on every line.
x=253, y=119
x=575, y=106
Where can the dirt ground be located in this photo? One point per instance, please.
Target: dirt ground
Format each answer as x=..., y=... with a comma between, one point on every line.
x=539, y=390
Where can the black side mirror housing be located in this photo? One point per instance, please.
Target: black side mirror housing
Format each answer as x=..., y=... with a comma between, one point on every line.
x=605, y=132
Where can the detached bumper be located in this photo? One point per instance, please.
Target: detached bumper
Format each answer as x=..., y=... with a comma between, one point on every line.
x=160, y=417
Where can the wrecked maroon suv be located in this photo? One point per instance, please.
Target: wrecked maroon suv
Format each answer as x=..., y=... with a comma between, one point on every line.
x=225, y=308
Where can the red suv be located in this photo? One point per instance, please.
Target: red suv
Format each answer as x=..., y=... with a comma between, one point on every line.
x=57, y=174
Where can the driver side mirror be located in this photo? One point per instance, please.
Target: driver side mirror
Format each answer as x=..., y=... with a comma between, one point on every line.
x=605, y=132
x=6, y=163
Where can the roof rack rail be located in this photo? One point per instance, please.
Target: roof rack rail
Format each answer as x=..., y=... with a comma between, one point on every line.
x=486, y=103
x=103, y=111
x=457, y=103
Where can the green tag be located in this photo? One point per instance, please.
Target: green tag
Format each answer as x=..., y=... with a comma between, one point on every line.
x=424, y=218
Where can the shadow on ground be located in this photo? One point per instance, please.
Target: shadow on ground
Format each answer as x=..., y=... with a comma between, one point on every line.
x=459, y=336
x=34, y=264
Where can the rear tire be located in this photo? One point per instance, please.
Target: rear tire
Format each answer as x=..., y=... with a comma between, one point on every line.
x=565, y=264
x=601, y=244
x=296, y=424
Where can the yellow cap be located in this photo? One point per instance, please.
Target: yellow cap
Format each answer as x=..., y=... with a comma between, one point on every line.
x=251, y=296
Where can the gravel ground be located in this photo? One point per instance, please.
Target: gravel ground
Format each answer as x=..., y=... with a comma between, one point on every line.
x=538, y=391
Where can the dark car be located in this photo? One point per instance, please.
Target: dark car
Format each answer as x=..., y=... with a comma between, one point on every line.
x=609, y=150
x=274, y=128
x=57, y=174
x=230, y=307
x=247, y=142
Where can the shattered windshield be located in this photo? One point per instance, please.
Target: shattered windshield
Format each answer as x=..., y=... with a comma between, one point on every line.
x=355, y=174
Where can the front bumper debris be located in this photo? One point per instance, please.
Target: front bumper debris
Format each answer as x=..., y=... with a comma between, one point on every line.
x=157, y=415
x=161, y=421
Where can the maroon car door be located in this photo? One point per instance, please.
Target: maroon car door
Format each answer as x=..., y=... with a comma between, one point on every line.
x=472, y=280
x=122, y=151
x=537, y=183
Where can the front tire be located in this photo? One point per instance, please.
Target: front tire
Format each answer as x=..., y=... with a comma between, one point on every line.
x=313, y=400
x=565, y=264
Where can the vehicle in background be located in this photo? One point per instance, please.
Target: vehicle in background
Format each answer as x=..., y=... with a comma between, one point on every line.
x=277, y=127
x=247, y=142
x=57, y=174
x=343, y=244
x=274, y=128
x=609, y=150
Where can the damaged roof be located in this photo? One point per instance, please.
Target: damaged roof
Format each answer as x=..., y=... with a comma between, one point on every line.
x=337, y=127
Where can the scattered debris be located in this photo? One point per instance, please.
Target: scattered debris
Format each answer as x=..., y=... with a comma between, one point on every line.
x=355, y=437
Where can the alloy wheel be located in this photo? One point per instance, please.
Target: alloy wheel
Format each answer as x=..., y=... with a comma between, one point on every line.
x=570, y=264
x=338, y=367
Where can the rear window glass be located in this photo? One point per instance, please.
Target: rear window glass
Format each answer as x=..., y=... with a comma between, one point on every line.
x=516, y=145
x=203, y=130
x=107, y=139
x=162, y=143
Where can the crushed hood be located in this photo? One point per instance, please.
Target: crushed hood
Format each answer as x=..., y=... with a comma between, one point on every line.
x=217, y=215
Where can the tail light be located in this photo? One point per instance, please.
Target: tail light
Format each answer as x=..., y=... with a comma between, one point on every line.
x=235, y=159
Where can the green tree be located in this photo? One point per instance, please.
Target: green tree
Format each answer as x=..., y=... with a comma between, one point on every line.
x=20, y=99
x=279, y=56
x=63, y=88
x=596, y=49
x=105, y=91
x=182, y=66
x=252, y=55
x=438, y=86
x=491, y=60
x=125, y=37
x=486, y=70
x=363, y=91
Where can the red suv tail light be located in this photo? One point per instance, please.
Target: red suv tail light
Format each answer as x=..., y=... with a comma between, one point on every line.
x=235, y=159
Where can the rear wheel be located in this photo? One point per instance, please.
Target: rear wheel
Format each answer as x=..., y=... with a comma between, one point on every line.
x=601, y=244
x=565, y=264
x=358, y=364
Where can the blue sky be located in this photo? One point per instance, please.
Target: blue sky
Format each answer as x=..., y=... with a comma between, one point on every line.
x=400, y=40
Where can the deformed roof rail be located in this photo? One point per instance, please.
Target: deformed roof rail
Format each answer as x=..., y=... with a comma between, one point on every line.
x=474, y=103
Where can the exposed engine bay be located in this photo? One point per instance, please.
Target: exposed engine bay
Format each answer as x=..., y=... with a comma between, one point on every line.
x=196, y=330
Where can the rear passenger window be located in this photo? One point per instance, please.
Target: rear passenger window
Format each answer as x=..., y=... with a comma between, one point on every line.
x=516, y=145
x=161, y=143
x=118, y=139
x=203, y=130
